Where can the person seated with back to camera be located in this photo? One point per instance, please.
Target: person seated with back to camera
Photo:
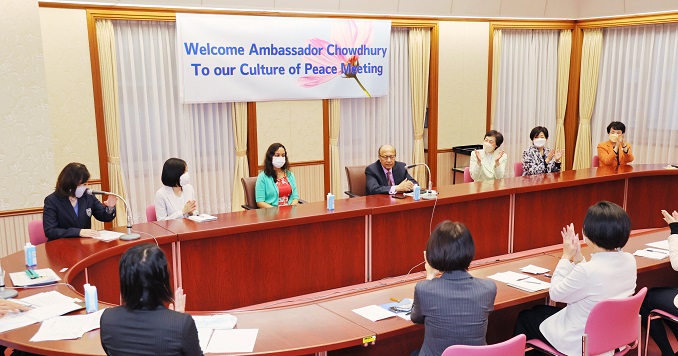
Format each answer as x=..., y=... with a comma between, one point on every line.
x=616, y=151
x=176, y=199
x=455, y=307
x=68, y=211
x=386, y=175
x=489, y=163
x=276, y=185
x=611, y=273
x=539, y=159
x=142, y=325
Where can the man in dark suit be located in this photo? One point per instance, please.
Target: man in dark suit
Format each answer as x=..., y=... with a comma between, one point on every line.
x=387, y=176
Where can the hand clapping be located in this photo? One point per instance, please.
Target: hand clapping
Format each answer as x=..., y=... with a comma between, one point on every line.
x=571, y=244
x=670, y=218
x=405, y=186
x=179, y=301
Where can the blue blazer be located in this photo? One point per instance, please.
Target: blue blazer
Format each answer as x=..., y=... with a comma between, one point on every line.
x=375, y=179
x=59, y=219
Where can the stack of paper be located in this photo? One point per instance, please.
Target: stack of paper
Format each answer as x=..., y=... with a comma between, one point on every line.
x=45, y=306
x=534, y=269
x=219, y=321
x=374, y=312
x=652, y=253
x=202, y=218
x=663, y=244
x=521, y=281
x=46, y=276
x=67, y=327
x=223, y=341
x=105, y=235
x=402, y=309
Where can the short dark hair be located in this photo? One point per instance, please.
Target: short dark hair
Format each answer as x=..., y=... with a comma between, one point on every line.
x=268, y=160
x=607, y=225
x=537, y=130
x=498, y=137
x=450, y=247
x=70, y=177
x=172, y=171
x=617, y=125
x=144, y=279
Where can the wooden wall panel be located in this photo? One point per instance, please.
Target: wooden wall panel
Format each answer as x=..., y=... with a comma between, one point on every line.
x=310, y=182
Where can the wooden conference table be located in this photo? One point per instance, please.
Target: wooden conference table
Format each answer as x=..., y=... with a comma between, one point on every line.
x=324, y=321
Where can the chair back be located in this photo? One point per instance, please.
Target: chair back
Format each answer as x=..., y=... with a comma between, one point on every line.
x=511, y=347
x=613, y=323
x=248, y=186
x=150, y=213
x=36, y=232
x=467, y=175
x=518, y=169
x=355, y=175
x=595, y=161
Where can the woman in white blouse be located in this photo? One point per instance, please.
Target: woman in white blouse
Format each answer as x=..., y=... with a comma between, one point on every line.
x=490, y=162
x=177, y=198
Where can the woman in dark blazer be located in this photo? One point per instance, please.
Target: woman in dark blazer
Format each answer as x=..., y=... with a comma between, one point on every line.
x=68, y=211
x=142, y=325
x=454, y=307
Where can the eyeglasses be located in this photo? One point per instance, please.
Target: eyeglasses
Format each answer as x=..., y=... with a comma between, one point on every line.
x=388, y=158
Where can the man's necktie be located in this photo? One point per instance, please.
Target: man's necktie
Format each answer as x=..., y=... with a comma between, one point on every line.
x=389, y=177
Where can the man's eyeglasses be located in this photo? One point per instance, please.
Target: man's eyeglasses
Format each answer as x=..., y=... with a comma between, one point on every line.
x=388, y=158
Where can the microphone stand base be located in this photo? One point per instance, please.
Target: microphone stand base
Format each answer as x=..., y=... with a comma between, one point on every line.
x=8, y=293
x=130, y=237
x=430, y=195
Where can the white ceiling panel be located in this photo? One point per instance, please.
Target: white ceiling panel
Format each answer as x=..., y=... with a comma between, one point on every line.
x=561, y=9
x=522, y=8
x=369, y=6
x=165, y=3
x=600, y=8
x=307, y=5
x=425, y=7
x=476, y=8
x=241, y=4
x=643, y=6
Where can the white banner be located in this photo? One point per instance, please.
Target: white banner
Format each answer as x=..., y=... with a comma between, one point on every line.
x=225, y=58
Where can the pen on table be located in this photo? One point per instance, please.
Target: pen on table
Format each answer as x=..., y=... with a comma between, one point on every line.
x=395, y=300
x=658, y=251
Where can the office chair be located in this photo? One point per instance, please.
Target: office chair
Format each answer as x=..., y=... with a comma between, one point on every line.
x=36, y=232
x=511, y=347
x=355, y=175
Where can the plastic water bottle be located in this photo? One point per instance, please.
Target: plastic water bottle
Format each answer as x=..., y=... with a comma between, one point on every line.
x=30, y=255
x=91, y=298
x=330, y=201
x=417, y=192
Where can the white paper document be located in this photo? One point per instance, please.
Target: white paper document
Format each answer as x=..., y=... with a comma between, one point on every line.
x=534, y=269
x=374, y=312
x=521, y=281
x=235, y=340
x=655, y=254
x=67, y=327
x=202, y=218
x=14, y=321
x=507, y=277
x=47, y=298
x=204, y=336
x=46, y=276
x=663, y=244
x=105, y=235
x=220, y=321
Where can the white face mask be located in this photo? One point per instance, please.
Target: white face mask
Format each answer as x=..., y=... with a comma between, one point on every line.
x=614, y=137
x=278, y=162
x=488, y=147
x=80, y=190
x=184, y=180
x=539, y=142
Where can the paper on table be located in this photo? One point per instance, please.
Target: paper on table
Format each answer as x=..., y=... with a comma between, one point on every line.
x=47, y=298
x=653, y=254
x=534, y=269
x=530, y=284
x=202, y=218
x=508, y=277
x=21, y=279
x=235, y=340
x=373, y=312
x=67, y=327
x=663, y=244
x=405, y=304
x=204, y=336
x=106, y=235
x=219, y=321
x=14, y=321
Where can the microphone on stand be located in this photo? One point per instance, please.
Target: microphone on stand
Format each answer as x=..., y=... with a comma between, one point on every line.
x=430, y=193
x=129, y=236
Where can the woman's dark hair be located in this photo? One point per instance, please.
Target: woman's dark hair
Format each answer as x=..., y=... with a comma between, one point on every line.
x=172, y=171
x=498, y=137
x=537, y=130
x=607, y=225
x=144, y=279
x=617, y=126
x=70, y=177
x=450, y=247
x=268, y=160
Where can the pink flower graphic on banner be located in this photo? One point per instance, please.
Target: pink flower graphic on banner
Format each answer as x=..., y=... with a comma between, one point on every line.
x=345, y=34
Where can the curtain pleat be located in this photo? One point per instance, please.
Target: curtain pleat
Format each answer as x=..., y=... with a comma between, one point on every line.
x=241, y=165
x=109, y=88
x=496, y=67
x=335, y=166
x=588, y=84
x=564, y=50
x=420, y=54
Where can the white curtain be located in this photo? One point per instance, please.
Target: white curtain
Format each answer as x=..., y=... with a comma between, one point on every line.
x=369, y=123
x=638, y=85
x=526, y=93
x=155, y=126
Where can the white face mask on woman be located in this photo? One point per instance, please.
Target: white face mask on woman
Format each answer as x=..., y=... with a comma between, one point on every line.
x=80, y=190
x=278, y=162
x=488, y=147
x=184, y=180
x=614, y=138
x=539, y=142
